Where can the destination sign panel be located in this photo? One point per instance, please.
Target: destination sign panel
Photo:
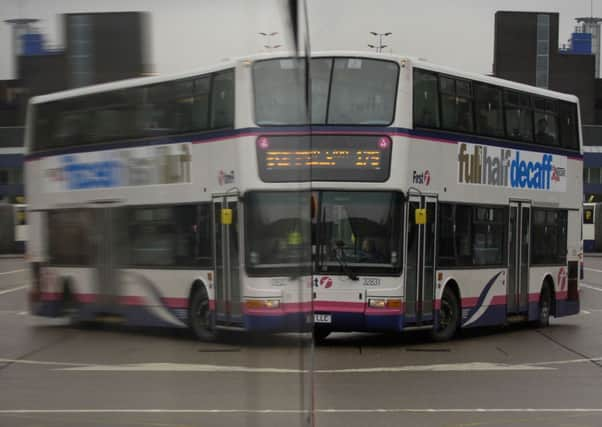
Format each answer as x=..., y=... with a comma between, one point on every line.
x=324, y=158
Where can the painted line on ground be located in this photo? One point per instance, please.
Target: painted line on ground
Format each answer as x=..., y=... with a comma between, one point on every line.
x=188, y=367
x=592, y=269
x=11, y=272
x=300, y=411
x=41, y=362
x=18, y=288
x=568, y=362
x=588, y=286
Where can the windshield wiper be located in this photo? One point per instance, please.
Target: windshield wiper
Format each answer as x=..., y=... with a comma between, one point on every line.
x=339, y=257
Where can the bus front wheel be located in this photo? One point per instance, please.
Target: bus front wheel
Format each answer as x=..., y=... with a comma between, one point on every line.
x=200, y=316
x=320, y=334
x=449, y=317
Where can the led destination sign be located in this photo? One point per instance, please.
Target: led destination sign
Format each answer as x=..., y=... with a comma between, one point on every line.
x=326, y=158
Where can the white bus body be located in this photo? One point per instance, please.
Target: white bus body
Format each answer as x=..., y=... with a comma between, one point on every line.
x=401, y=216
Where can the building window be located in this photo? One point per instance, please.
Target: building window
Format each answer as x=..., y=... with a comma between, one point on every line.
x=543, y=51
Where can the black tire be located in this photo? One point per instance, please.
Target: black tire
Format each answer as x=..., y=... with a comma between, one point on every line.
x=320, y=334
x=545, y=307
x=70, y=305
x=200, y=316
x=449, y=317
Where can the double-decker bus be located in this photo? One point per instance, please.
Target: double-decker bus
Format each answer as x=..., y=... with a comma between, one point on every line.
x=147, y=207
x=419, y=196
x=475, y=217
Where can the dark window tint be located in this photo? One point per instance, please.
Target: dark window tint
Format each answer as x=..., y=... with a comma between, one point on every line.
x=278, y=232
x=222, y=100
x=489, y=110
x=548, y=241
x=363, y=91
x=519, y=116
x=568, y=127
x=456, y=105
x=426, y=99
x=546, y=122
x=178, y=236
x=70, y=237
x=173, y=107
x=471, y=235
x=320, y=86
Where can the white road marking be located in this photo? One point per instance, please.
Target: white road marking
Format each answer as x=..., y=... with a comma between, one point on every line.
x=18, y=288
x=449, y=367
x=586, y=312
x=595, y=288
x=568, y=362
x=41, y=362
x=592, y=269
x=179, y=367
x=300, y=411
x=11, y=272
x=186, y=367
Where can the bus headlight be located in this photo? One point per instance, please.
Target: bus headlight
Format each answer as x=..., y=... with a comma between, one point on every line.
x=262, y=303
x=384, y=303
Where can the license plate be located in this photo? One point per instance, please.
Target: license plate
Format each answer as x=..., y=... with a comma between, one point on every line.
x=322, y=318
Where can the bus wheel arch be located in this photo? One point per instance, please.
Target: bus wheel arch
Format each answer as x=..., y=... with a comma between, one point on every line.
x=201, y=319
x=449, y=313
x=546, y=306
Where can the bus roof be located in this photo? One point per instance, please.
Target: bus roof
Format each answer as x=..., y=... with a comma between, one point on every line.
x=229, y=63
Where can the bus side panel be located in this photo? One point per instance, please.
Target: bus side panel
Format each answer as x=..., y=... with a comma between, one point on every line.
x=482, y=294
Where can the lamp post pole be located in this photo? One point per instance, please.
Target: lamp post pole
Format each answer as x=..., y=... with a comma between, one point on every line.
x=379, y=48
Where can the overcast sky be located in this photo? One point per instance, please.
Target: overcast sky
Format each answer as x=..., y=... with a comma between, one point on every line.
x=191, y=33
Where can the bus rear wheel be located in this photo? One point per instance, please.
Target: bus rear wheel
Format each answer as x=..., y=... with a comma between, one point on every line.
x=200, y=316
x=449, y=317
x=545, y=307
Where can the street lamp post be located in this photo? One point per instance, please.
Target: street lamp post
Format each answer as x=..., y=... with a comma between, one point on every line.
x=380, y=46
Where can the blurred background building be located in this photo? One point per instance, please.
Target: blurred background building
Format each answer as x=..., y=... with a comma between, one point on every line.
x=99, y=47
x=527, y=50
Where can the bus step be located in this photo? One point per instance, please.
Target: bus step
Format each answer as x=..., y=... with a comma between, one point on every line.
x=517, y=318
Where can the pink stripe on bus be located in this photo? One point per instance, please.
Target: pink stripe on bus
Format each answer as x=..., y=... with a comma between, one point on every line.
x=131, y=300
x=51, y=296
x=349, y=307
x=175, y=302
x=498, y=300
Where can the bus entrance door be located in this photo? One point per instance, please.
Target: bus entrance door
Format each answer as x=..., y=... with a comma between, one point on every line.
x=226, y=255
x=421, y=220
x=519, y=239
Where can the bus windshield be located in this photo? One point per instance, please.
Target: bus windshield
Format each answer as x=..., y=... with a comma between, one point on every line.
x=344, y=91
x=361, y=230
x=278, y=232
